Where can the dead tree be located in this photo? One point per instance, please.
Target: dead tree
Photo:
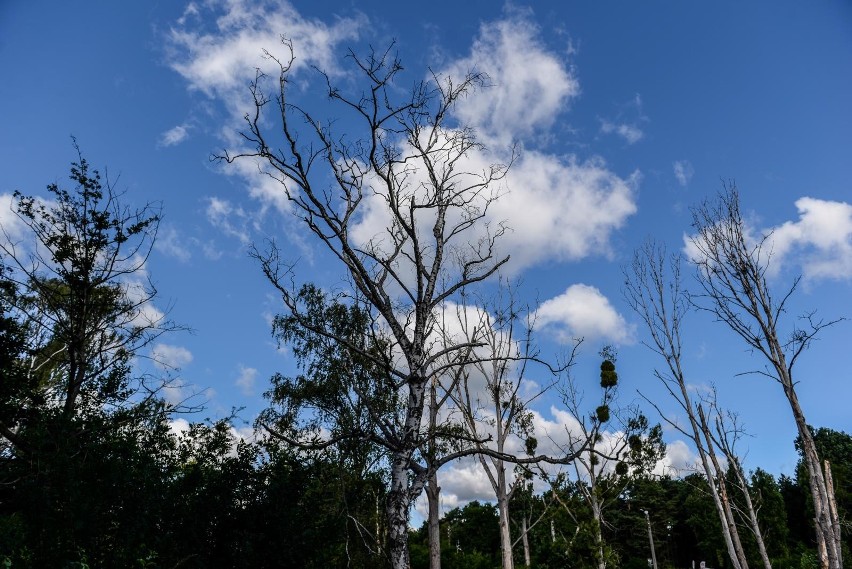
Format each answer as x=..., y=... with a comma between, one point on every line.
x=653, y=288
x=491, y=400
x=732, y=273
x=726, y=431
x=403, y=160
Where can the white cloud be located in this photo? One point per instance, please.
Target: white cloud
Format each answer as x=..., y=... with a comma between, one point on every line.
x=166, y=356
x=169, y=242
x=12, y=228
x=561, y=209
x=629, y=132
x=178, y=427
x=583, y=312
x=679, y=459
x=530, y=86
x=222, y=61
x=683, y=172
x=174, y=135
x=230, y=219
x=246, y=380
x=558, y=208
x=820, y=240
x=819, y=243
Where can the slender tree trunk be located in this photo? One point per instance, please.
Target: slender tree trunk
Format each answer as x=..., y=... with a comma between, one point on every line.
x=505, y=534
x=832, y=504
x=826, y=520
x=433, y=491
x=752, y=513
x=433, y=495
x=597, y=518
x=526, y=541
x=399, y=494
x=724, y=499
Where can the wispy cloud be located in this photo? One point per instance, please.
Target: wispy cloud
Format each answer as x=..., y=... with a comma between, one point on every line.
x=627, y=121
x=174, y=135
x=230, y=219
x=169, y=242
x=246, y=380
x=683, y=172
x=170, y=357
x=629, y=132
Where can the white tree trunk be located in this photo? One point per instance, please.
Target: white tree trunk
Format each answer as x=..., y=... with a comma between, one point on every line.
x=505, y=534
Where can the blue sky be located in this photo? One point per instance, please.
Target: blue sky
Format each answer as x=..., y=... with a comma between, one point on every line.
x=628, y=113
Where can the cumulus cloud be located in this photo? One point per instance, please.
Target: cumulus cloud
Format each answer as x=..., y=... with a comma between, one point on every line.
x=222, y=61
x=820, y=240
x=178, y=427
x=582, y=311
x=818, y=243
x=561, y=208
x=557, y=207
x=166, y=356
x=174, y=135
x=12, y=228
x=246, y=380
x=683, y=172
x=529, y=85
x=678, y=460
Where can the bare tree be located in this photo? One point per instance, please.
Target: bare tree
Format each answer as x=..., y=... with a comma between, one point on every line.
x=404, y=159
x=732, y=273
x=727, y=430
x=653, y=288
x=493, y=400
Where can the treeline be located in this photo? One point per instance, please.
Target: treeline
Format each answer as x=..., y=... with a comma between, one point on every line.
x=684, y=524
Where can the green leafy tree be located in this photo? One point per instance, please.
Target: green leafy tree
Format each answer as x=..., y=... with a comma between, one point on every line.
x=73, y=416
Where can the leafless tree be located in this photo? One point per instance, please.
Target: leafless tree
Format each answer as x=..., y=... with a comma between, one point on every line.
x=732, y=273
x=724, y=434
x=404, y=158
x=494, y=395
x=653, y=288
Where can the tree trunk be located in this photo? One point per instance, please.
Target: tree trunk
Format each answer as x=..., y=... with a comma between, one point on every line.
x=399, y=494
x=433, y=495
x=724, y=499
x=752, y=513
x=597, y=518
x=826, y=520
x=397, y=513
x=708, y=471
x=505, y=534
x=526, y=541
